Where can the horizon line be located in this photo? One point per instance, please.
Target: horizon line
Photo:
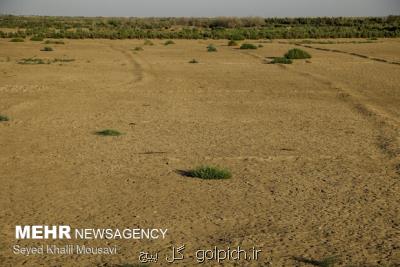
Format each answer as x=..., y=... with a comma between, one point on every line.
x=194, y=17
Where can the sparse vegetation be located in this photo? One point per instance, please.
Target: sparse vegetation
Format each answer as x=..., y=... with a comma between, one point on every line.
x=193, y=61
x=36, y=38
x=138, y=48
x=4, y=118
x=17, y=40
x=368, y=41
x=169, y=42
x=108, y=132
x=148, y=42
x=296, y=53
x=281, y=60
x=54, y=42
x=248, y=46
x=47, y=49
x=63, y=60
x=208, y=172
x=32, y=61
x=232, y=43
x=211, y=48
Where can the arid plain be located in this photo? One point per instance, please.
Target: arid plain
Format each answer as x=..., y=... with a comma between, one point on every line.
x=313, y=148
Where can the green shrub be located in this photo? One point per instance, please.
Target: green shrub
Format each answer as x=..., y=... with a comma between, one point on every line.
x=232, y=43
x=17, y=40
x=138, y=48
x=248, y=46
x=108, y=132
x=236, y=36
x=209, y=172
x=211, y=48
x=148, y=42
x=260, y=46
x=36, y=38
x=46, y=49
x=193, y=61
x=169, y=42
x=4, y=118
x=281, y=60
x=296, y=53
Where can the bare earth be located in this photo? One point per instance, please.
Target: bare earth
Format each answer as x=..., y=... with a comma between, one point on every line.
x=313, y=149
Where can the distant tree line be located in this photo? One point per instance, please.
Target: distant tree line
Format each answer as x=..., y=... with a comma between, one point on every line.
x=198, y=28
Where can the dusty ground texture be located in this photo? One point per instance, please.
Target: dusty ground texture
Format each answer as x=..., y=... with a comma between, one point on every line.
x=313, y=148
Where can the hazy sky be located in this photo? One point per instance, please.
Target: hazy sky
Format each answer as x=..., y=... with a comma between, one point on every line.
x=201, y=8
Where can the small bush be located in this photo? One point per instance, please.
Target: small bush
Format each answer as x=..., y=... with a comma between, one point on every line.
x=46, y=49
x=108, y=132
x=32, y=61
x=232, y=43
x=138, y=48
x=17, y=40
x=53, y=42
x=193, y=61
x=211, y=48
x=36, y=38
x=248, y=46
x=4, y=118
x=281, y=60
x=296, y=53
x=169, y=42
x=148, y=42
x=209, y=172
x=260, y=46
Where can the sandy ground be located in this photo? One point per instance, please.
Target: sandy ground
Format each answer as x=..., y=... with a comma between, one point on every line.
x=313, y=148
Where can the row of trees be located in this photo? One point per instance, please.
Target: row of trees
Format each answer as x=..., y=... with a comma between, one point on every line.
x=199, y=28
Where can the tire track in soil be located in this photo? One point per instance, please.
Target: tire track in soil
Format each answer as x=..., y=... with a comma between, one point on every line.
x=251, y=54
x=350, y=53
x=138, y=70
x=387, y=126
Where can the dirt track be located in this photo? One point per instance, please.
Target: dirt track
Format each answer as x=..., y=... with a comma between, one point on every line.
x=313, y=148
